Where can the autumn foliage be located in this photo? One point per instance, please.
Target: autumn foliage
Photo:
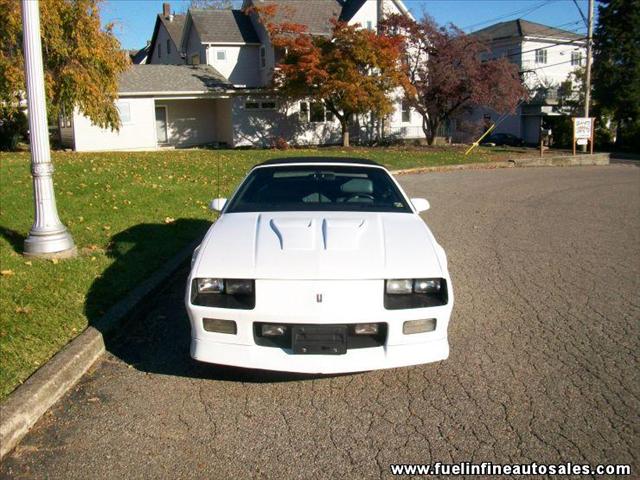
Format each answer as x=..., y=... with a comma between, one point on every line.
x=352, y=72
x=82, y=61
x=447, y=75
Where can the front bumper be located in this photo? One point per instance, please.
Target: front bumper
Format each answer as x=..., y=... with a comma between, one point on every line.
x=295, y=302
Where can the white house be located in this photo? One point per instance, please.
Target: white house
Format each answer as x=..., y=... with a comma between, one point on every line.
x=546, y=56
x=218, y=97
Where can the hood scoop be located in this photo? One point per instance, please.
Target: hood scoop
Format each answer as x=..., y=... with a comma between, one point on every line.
x=294, y=233
x=342, y=233
x=336, y=234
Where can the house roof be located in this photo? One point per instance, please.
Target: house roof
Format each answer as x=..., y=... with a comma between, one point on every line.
x=316, y=15
x=174, y=25
x=523, y=28
x=139, y=56
x=223, y=26
x=149, y=79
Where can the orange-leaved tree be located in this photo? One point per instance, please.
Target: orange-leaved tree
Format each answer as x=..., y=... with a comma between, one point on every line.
x=82, y=61
x=352, y=72
x=447, y=73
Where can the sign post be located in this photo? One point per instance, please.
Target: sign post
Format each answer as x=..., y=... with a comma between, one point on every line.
x=583, y=130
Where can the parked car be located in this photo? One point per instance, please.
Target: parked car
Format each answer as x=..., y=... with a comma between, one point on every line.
x=500, y=139
x=319, y=265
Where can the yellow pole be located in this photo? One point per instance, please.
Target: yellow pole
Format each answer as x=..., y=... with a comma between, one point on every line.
x=477, y=142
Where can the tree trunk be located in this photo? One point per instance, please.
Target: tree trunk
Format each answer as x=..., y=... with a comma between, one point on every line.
x=429, y=130
x=345, y=133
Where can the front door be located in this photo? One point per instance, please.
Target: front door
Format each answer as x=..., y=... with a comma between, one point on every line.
x=161, y=125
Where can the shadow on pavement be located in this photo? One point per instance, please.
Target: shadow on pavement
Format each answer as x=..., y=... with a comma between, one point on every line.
x=155, y=337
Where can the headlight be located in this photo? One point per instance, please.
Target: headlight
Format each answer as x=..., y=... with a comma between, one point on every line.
x=224, y=293
x=415, y=293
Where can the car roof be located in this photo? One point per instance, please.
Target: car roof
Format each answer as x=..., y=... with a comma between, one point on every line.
x=319, y=160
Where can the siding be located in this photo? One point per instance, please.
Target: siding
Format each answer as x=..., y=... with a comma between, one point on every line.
x=174, y=58
x=137, y=134
x=241, y=64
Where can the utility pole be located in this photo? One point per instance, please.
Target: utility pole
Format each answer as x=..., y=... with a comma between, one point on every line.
x=48, y=236
x=587, y=93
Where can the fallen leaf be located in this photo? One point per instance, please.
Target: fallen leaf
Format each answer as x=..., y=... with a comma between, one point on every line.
x=169, y=220
x=25, y=310
x=7, y=273
x=28, y=262
x=55, y=261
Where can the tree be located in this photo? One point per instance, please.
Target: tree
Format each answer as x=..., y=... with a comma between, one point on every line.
x=616, y=65
x=446, y=74
x=352, y=72
x=215, y=4
x=82, y=61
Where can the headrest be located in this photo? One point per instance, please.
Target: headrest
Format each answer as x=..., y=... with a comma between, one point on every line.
x=357, y=185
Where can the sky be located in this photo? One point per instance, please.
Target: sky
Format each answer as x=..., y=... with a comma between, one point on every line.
x=134, y=19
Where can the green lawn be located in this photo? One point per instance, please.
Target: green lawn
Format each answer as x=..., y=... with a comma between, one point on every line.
x=128, y=213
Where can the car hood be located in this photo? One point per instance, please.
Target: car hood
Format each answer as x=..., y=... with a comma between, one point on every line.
x=318, y=245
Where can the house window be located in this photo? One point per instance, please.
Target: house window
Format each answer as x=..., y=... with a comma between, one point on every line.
x=576, y=59
x=195, y=59
x=159, y=51
x=263, y=57
x=124, y=109
x=316, y=112
x=304, y=112
x=260, y=105
x=406, y=111
x=541, y=56
x=221, y=55
x=168, y=47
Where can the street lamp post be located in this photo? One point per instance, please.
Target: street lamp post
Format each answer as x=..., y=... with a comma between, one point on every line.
x=48, y=236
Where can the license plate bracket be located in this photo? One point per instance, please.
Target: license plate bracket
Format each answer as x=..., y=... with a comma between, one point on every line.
x=319, y=339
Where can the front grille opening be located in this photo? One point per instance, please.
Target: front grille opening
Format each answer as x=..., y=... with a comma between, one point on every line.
x=353, y=341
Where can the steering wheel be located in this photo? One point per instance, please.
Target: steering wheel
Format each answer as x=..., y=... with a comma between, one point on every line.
x=357, y=196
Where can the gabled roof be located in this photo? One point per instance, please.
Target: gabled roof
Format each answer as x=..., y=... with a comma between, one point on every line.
x=222, y=26
x=150, y=79
x=139, y=56
x=316, y=15
x=174, y=25
x=523, y=28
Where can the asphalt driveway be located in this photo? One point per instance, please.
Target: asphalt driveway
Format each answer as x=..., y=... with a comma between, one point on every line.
x=544, y=366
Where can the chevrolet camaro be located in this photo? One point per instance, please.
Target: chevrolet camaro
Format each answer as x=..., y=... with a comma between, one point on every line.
x=319, y=265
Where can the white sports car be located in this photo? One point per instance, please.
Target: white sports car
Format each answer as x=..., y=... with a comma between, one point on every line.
x=319, y=265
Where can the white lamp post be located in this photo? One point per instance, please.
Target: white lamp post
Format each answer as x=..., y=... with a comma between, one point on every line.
x=48, y=236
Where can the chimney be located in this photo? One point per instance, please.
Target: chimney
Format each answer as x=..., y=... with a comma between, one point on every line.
x=166, y=9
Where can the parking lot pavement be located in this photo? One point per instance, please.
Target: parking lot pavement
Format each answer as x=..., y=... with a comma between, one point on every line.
x=543, y=367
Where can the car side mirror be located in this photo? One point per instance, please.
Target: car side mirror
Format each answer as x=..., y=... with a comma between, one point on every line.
x=420, y=204
x=217, y=204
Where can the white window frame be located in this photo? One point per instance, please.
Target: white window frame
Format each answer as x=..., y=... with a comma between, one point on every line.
x=541, y=56
x=405, y=108
x=260, y=104
x=124, y=119
x=576, y=58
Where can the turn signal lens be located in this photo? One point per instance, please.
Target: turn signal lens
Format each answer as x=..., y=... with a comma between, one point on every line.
x=273, y=330
x=239, y=287
x=399, y=287
x=366, y=329
x=427, y=285
x=210, y=285
x=419, y=326
x=220, y=326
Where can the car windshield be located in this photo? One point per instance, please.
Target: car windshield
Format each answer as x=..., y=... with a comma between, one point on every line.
x=318, y=188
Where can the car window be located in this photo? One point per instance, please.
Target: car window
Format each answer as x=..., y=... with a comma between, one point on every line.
x=316, y=188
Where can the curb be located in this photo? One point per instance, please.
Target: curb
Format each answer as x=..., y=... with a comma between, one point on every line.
x=550, y=161
x=27, y=403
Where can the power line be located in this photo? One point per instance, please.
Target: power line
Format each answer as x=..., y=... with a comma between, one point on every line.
x=522, y=12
